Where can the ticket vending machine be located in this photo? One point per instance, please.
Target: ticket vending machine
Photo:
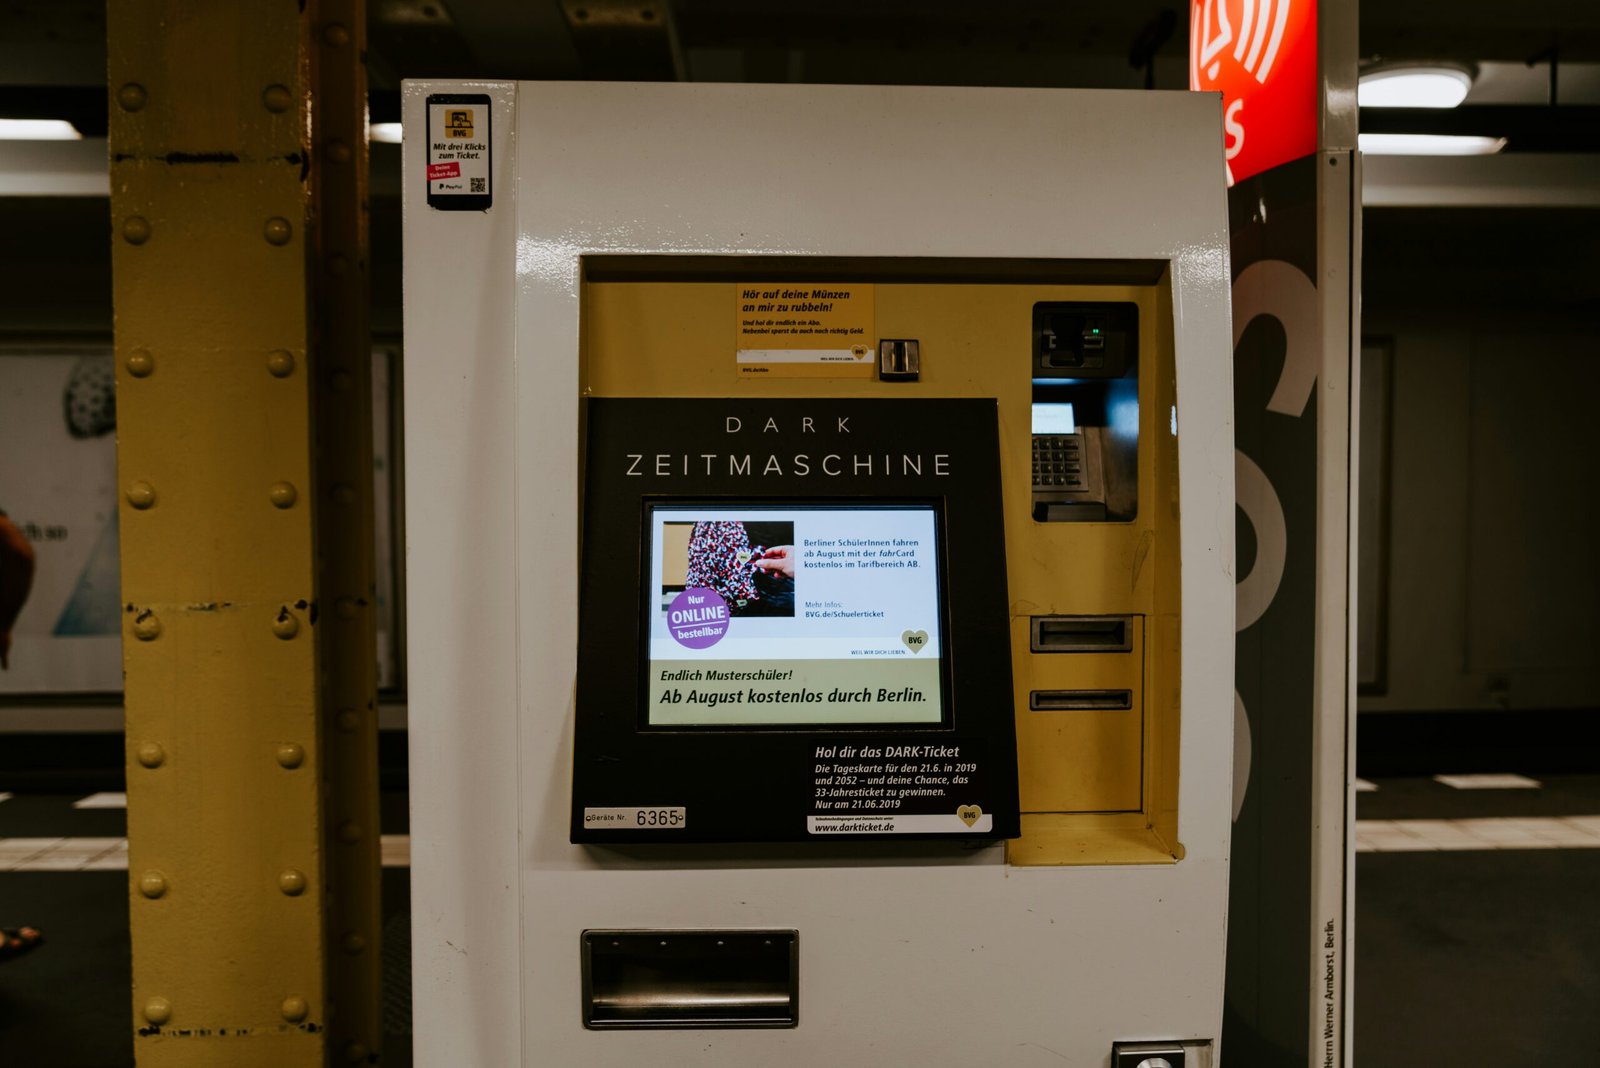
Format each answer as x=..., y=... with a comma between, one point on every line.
x=819, y=561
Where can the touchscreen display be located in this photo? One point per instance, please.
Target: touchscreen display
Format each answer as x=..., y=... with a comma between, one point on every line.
x=810, y=614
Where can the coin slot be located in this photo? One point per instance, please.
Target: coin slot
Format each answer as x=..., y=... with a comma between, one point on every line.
x=1081, y=634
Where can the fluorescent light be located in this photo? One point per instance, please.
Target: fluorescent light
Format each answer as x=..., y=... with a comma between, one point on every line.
x=1376, y=144
x=38, y=130
x=1414, y=87
x=387, y=132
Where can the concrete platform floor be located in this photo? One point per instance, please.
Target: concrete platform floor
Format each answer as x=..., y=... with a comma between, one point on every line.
x=1477, y=928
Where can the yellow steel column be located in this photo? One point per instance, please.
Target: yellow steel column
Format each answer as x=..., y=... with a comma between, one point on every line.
x=235, y=843
x=347, y=637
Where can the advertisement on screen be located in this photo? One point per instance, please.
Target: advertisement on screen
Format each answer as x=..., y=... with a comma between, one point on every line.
x=815, y=614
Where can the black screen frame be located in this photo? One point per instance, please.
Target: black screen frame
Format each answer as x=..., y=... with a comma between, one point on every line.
x=769, y=783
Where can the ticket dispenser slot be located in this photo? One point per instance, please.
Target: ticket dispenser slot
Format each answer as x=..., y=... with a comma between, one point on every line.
x=705, y=979
x=1085, y=425
x=1080, y=700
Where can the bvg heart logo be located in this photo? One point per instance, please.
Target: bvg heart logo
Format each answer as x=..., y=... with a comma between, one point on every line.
x=916, y=640
x=969, y=814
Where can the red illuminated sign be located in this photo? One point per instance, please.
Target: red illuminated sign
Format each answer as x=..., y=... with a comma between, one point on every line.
x=1262, y=56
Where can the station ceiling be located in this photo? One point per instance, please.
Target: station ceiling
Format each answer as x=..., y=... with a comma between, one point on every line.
x=62, y=42
x=52, y=63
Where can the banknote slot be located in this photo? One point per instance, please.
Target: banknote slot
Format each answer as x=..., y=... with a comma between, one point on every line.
x=1080, y=700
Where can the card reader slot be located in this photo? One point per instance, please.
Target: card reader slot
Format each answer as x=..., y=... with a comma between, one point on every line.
x=641, y=980
x=1081, y=634
x=1080, y=700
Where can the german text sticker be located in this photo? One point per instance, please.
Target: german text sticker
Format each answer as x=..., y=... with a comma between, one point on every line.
x=458, y=151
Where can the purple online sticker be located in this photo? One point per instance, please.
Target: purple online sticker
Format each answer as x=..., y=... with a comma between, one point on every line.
x=698, y=618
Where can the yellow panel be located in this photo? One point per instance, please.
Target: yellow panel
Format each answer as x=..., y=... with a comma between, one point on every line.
x=1097, y=787
x=1050, y=839
x=1164, y=634
x=1078, y=761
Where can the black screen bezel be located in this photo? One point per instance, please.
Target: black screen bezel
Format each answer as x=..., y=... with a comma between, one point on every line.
x=760, y=784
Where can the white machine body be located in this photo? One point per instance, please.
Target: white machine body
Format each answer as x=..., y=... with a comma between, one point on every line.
x=906, y=956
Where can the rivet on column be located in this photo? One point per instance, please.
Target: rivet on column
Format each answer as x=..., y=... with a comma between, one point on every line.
x=280, y=363
x=349, y=719
x=282, y=495
x=346, y=607
x=355, y=1053
x=146, y=627
x=152, y=884
x=336, y=35
x=291, y=755
x=131, y=96
x=158, y=1010
x=353, y=943
x=285, y=625
x=292, y=882
x=277, y=230
x=151, y=755
x=136, y=229
x=140, y=363
x=338, y=151
x=141, y=495
x=294, y=1009
x=349, y=832
x=276, y=98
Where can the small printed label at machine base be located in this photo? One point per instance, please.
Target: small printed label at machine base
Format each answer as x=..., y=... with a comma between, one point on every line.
x=656, y=818
x=947, y=823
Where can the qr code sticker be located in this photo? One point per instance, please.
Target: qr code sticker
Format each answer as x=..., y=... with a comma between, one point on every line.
x=479, y=185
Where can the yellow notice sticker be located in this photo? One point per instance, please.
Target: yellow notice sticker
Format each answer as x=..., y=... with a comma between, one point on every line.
x=803, y=330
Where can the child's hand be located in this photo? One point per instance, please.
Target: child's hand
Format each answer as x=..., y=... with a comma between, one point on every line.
x=778, y=560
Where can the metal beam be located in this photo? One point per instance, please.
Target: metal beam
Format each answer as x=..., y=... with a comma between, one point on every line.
x=1526, y=180
x=235, y=840
x=1526, y=128
x=347, y=636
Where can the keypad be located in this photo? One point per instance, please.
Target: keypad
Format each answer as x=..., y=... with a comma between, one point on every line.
x=1058, y=462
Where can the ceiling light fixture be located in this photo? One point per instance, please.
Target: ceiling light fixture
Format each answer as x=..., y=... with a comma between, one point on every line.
x=1376, y=144
x=1430, y=85
x=386, y=132
x=38, y=130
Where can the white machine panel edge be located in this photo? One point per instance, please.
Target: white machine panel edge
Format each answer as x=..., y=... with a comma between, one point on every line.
x=904, y=961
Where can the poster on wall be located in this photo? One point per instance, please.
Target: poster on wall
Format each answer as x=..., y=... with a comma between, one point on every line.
x=58, y=494
x=58, y=486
